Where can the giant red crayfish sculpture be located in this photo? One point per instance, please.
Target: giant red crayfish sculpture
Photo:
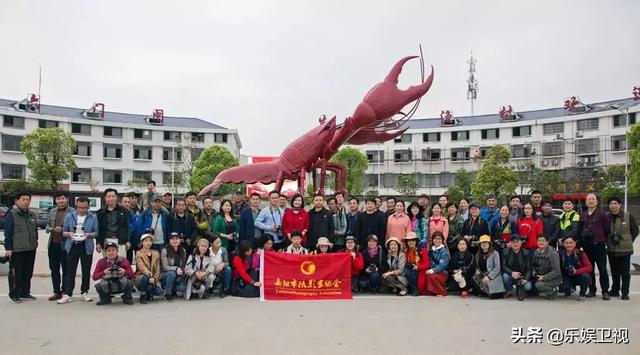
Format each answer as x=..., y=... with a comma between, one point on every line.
x=373, y=121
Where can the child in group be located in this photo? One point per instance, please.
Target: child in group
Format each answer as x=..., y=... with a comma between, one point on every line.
x=296, y=244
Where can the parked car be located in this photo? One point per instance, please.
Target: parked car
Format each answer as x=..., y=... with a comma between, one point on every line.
x=43, y=217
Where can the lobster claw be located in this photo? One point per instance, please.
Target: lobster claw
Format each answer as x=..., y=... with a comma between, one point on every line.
x=364, y=137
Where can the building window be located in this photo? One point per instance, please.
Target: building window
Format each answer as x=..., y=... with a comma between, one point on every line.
x=113, y=151
x=491, y=133
x=431, y=137
x=13, y=171
x=402, y=156
x=172, y=136
x=375, y=156
x=11, y=143
x=141, y=175
x=588, y=124
x=587, y=146
x=83, y=149
x=404, y=138
x=141, y=134
x=551, y=149
x=521, y=150
x=460, y=154
x=446, y=179
x=430, y=154
x=166, y=178
x=13, y=121
x=621, y=120
x=84, y=129
x=483, y=152
x=429, y=180
x=112, y=176
x=166, y=154
x=553, y=128
x=195, y=153
x=460, y=136
x=197, y=137
x=388, y=180
x=523, y=131
x=47, y=124
x=81, y=175
x=142, y=152
x=113, y=132
x=220, y=138
x=618, y=143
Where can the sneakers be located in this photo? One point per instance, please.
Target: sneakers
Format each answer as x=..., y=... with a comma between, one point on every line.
x=15, y=299
x=169, y=298
x=85, y=297
x=65, y=299
x=605, y=295
x=29, y=297
x=625, y=297
x=55, y=297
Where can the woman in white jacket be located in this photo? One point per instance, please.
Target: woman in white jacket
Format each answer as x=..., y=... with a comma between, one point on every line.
x=200, y=270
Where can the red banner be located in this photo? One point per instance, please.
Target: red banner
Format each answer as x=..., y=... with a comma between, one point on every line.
x=305, y=277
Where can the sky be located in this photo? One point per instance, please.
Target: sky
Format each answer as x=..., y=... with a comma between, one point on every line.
x=270, y=69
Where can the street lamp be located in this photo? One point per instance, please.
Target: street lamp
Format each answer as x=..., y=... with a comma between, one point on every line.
x=626, y=154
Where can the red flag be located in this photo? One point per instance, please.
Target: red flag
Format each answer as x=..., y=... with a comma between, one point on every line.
x=305, y=277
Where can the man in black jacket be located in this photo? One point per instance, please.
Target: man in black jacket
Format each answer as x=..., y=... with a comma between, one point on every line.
x=181, y=222
x=371, y=221
x=550, y=224
x=113, y=223
x=320, y=223
x=516, y=268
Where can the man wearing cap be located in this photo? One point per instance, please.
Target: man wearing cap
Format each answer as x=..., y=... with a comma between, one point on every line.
x=516, y=268
x=114, y=275
x=239, y=203
x=113, y=223
x=375, y=264
x=167, y=202
x=155, y=221
x=79, y=230
x=55, y=251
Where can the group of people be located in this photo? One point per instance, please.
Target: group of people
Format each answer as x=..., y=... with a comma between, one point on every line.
x=419, y=248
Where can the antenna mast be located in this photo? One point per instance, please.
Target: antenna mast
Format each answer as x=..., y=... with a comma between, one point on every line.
x=472, y=83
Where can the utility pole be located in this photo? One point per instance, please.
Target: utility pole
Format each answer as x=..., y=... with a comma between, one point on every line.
x=472, y=83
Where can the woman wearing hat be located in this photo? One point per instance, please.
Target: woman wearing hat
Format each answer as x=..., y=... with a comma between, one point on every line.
x=147, y=279
x=375, y=263
x=173, y=260
x=323, y=246
x=357, y=261
x=487, y=278
x=200, y=270
x=396, y=259
x=437, y=275
x=412, y=252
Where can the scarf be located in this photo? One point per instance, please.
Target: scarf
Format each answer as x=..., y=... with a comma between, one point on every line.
x=412, y=255
x=372, y=252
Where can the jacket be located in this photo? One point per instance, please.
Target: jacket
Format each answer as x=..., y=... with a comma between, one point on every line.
x=247, y=228
x=320, y=225
x=530, y=228
x=546, y=263
x=569, y=224
x=398, y=226
x=90, y=226
x=424, y=264
x=298, y=220
x=503, y=230
x=397, y=264
x=370, y=223
x=455, y=227
x=439, y=259
x=202, y=223
x=52, y=221
x=123, y=232
x=20, y=230
x=104, y=264
x=594, y=227
x=582, y=264
x=493, y=272
x=464, y=262
x=146, y=266
x=352, y=224
x=625, y=228
x=220, y=227
x=134, y=227
x=268, y=218
x=511, y=260
x=475, y=228
x=488, y=213
x=173, y=263
x=421, y=228
x=146, y=219
x=357, y=263
x=379, y=260
x=551, y=228
x=197, y=263
x=185, y=226
x=241, y=269
x=439, y=225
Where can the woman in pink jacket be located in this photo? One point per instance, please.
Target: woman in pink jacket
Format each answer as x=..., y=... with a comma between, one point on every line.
x=398, y=224
x=438, y=223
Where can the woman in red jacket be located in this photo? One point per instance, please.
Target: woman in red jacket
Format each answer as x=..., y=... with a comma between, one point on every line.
x=296, y=218
x=423, y=265
x=357, y=260
x=530, y=227
x=245, y=277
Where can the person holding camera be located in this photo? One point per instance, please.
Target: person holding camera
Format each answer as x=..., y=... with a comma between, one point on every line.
x=184, y=225
x=114, y=275
x=595, y=228
x=545, y=269
x=394, y=278
x=173, y=259
x=269, y=220
x=200, y=271
x=221, y=265
x=530, y=226
x=575, y=267
x=623, y=232
x=502, y=229
x=155, y=221
x=246, y=278
x=226, y=226
x=516, y=268
x=487, y=280
x=375, y=263
x=474, y=227
x=147, y=279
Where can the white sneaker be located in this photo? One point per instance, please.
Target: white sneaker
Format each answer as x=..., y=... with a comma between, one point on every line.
x=85, y=297
x=65, y=299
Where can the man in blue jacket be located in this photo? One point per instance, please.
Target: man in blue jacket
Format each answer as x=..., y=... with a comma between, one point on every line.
x=489, y=212
x=155, y=221
x=79, y=229
x=248, y=230
x=269, y=220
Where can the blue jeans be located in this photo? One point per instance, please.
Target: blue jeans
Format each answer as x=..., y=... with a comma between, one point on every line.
x=370, y=281
x=412, y=276
x=172, y=284
x=509, y=282
x=144, y=286
x=225, y=274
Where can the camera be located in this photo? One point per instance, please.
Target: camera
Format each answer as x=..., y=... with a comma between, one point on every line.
x=372, y=268
x=570, y=271
x=615, y=239
x=151, y=231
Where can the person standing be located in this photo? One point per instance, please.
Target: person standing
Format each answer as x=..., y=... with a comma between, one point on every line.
x=515, y=208
x=147, y=198
x=155, y=221
x=55, y=251
x=320, y=222
x=536, y=201
x=113, y=223
x=210, y=215
x=595, y=228
x=20, y=243
x=248, y=230
x=239, y=204
x=474, y=227
x=489, y=212
x=339, y=223
x=569, y=220
x=226, y=226
x=79, y=250
x=296, y=218
x=550, y=224
x=352, y=216
x=167, y=202
x=530, y=227
x=391, y=206
x=269, y=220
x=182, y=223
x=398, y=223
x=623, y=232
x=134, y=219
x=370, y=222
x=198, y=216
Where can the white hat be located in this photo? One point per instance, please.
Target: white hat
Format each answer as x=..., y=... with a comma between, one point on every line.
x=323, y=241
x=144, y=236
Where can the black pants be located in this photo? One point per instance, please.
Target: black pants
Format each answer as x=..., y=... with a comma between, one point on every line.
x=620, y=266
x=571, y=282
x=57, y=262
x=597, y=254
x=78, y=253
x=130, y=255
x=22, y=262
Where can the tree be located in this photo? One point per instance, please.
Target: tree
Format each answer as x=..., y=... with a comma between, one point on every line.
x=49, y=152
x=372, y=193
x=611, y=181
x=546, y=182
x=407, y=185
x=495, y=177
x=211, y=162
x=463, y=181
x=356, y=164
x=633, y=175
x=138, y=185
x=455, y=194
